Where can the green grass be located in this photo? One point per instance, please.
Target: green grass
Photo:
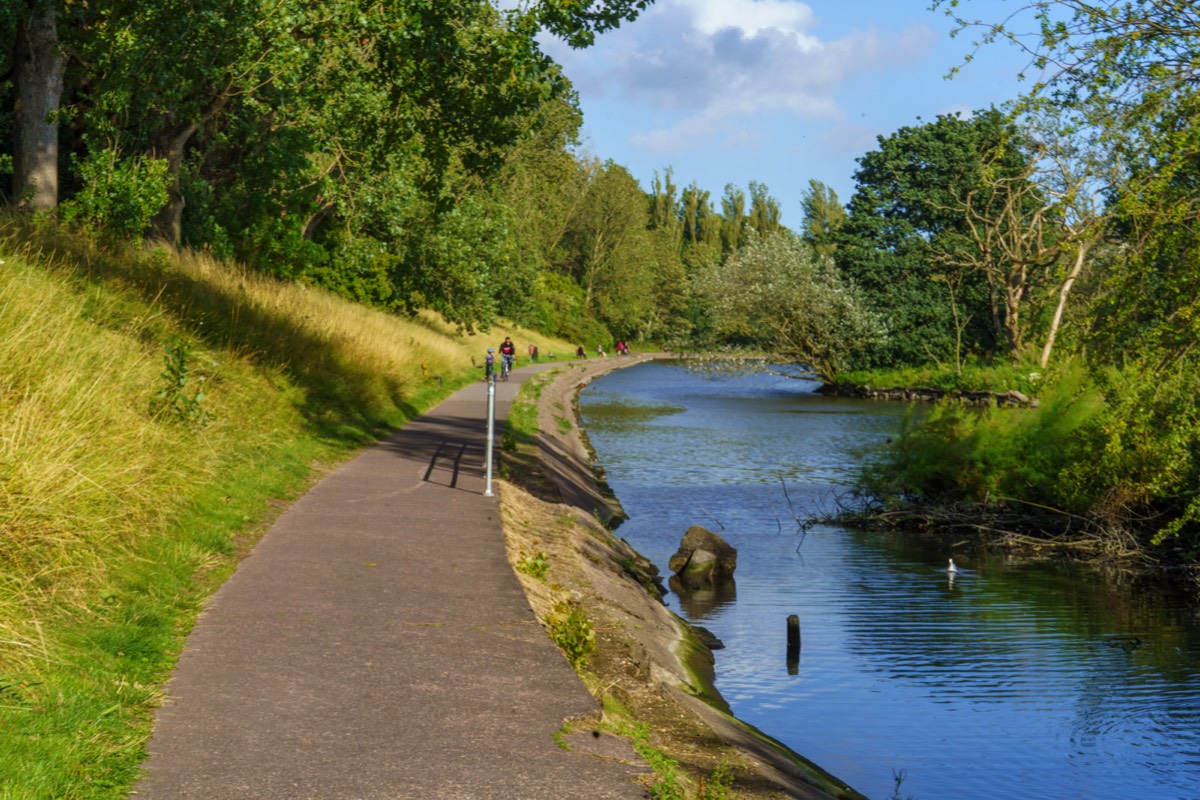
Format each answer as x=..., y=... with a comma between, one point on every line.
x=156, y=411
x=999, y=376
x=518, y=442
x=671, y=781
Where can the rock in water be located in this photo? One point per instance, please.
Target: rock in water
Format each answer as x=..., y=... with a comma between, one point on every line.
x=703, y=558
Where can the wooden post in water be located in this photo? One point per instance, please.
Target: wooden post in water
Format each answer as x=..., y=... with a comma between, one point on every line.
x=793, y=644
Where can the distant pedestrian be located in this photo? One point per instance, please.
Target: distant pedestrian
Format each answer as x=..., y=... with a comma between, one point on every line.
x=489, y=364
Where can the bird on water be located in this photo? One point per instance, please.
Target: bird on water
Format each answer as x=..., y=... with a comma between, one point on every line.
x=952, y=568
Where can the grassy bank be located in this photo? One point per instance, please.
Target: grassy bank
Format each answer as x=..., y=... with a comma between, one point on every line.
x=973, y=376
x=156, y=410
x=1104, y=467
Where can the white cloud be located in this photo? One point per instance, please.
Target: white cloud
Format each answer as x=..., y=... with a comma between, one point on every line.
x=710, y=67
x=752, y=17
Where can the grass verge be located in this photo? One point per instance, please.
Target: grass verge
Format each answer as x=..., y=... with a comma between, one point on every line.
x=157, y=409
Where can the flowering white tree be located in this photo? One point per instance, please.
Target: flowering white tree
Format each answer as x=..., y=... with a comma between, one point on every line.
x=780, y=295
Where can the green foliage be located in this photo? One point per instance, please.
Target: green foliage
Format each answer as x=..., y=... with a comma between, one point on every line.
x=718, y=786
x=907, y=207
x=823, y=218
x=535, y=566
x=119, y=196
x=776, y=293
x=1125, y=76
x=571, y=629
x=974, y=375
x=1118, y=448
x=578, y=21
x=275, y=247
x=609, y=252
x=175, y=398
x=559, y=308
x=1141, y=460
x=955, y=454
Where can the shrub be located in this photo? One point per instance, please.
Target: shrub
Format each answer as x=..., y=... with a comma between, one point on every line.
x=570, y=629
x=536, y=565
x=1121, y=447
x=964, y=454
x=120, y=196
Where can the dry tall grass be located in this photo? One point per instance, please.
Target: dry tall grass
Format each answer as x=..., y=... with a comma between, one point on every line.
x=94, y=482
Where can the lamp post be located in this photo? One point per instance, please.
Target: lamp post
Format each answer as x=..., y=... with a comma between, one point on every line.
x=491, y=420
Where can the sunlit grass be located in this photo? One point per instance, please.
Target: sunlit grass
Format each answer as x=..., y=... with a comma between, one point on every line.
x=117, y=521
x=989, y=376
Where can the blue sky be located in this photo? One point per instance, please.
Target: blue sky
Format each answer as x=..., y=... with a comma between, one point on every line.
x=776, y=91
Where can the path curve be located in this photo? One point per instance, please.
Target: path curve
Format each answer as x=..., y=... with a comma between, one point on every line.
x=376, y=644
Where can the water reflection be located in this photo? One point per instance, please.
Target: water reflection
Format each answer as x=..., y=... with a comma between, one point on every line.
x=699, y=604
x=1024, y=670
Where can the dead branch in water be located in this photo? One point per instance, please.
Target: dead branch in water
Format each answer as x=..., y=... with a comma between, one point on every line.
x=1039, y=532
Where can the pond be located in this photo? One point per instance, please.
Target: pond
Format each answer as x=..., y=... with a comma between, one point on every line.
x=1010, y=678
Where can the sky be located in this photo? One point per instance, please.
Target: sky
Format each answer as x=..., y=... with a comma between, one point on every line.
x=776, y=91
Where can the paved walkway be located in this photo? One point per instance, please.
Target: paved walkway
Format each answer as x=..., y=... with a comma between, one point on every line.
x=376, y=644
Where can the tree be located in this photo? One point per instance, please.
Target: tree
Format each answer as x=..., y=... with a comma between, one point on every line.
x=38, y=67
x=578, y=21
x=777, y=293
x=1032, y=231
x=823, y=217
x=1128, y=72
x=544, y=185
x=670, y=291
x=733, y=218
x=611, y=256
x=147, y=77
x=764, y=211
x=904, y=209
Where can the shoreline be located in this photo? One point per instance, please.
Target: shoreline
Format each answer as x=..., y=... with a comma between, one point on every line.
x=647, y=659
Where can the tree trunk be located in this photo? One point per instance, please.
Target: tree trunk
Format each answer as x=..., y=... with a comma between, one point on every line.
x=317, y=219
x=1012, y=321
x=167, y=225
x=1064, y=290
x=38, y=66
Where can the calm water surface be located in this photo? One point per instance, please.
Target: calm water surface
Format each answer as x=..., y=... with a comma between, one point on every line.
x=1014, y=680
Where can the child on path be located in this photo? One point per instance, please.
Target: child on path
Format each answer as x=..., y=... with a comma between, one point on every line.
x=489, y=364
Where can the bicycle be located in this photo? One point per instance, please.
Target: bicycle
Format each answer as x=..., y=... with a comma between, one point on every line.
x=506, y=363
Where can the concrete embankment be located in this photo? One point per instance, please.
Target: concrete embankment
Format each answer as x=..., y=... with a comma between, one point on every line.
x=647, y=662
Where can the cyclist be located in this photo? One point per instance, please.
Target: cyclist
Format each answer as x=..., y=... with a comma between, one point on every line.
x=508, y=352
x=489, y=364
